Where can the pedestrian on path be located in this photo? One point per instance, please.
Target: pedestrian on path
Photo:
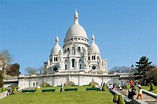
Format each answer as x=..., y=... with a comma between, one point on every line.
x=8, y=91
x=131, y=92
x=61, y=87
x=139, y=92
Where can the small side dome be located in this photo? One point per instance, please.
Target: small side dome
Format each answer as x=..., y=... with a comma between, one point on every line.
x=56, y=49
x=93, y=47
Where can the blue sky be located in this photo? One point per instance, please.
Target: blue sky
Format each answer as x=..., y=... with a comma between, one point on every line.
x=124, y=30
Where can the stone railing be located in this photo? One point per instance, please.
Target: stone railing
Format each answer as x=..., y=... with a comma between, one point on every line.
x=150, y=93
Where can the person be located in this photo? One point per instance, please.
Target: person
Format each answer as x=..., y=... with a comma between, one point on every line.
x=8, y=91
x=131, y=82
x=123, y=85
x=139, y=92
x=131, y=92
x=61, y=87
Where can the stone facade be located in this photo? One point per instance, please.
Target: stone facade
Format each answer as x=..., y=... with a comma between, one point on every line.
x=76, y=54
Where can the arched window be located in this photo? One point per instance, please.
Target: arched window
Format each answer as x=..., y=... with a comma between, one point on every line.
x=73, y=62
x=65, y=67
x=50, y=59
x=80, y=65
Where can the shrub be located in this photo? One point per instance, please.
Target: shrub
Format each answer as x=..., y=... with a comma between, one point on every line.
x=127, y=86
x=3, y=89
x=69, y=83
x=14, y=90
x=152, y=87
x=93, y=83
x=104, y=88
x=120, y=100
x=44, y=84
x=115, y=98
x=36, y=88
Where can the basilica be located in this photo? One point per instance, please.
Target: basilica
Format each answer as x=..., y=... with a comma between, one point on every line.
x=77, y=54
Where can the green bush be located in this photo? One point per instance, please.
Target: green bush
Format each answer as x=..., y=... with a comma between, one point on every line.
x=36, y=88
x=104, y=88
x=115, y=98
x=127, y=86
x=69, y=83
x=3, y=89
x=120, y=100
x=45, y=84
x=152, y=87
x=14, y=90
x=93, y=83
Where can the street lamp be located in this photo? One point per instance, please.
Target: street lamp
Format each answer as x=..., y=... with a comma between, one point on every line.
x=132, y=67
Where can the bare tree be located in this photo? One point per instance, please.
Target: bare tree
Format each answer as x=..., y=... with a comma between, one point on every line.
x=32, y=70
x=5, y=58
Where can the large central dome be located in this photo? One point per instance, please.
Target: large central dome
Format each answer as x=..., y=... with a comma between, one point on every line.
x=76, y=31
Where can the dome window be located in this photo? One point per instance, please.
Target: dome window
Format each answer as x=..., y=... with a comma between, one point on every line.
x=88, y=58
x=55, y=59
x=93, y=57
x=79, y=49
x=50, y=59
x=65, y=50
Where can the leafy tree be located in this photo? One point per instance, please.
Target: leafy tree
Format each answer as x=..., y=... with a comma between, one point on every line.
x=153, y=76
x=1, y=79
x=13, y=70
x=143, y=66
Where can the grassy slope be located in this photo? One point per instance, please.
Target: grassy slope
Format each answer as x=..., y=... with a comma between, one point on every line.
x=148, y=88
x=79, y=97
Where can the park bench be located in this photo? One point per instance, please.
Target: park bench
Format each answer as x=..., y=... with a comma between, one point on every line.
x=70, y=89
x=96, y=89
x=47, y=90
x=28, y=91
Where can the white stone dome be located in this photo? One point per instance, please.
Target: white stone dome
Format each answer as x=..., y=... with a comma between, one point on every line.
x=56, y=49
x=75, y=30
x=93, y=48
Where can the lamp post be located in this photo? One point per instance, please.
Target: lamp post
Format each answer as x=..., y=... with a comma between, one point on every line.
x=132, y=68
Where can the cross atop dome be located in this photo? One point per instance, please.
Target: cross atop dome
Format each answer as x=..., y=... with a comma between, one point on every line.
x=92, y=38
x=76, y=17
x=57, y=40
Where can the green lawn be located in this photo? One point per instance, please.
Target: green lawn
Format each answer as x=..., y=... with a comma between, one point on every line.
x=73, y=97
x=148, y=89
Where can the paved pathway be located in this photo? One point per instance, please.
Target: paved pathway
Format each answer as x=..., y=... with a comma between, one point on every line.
x=2, y=95
x=146, y=98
